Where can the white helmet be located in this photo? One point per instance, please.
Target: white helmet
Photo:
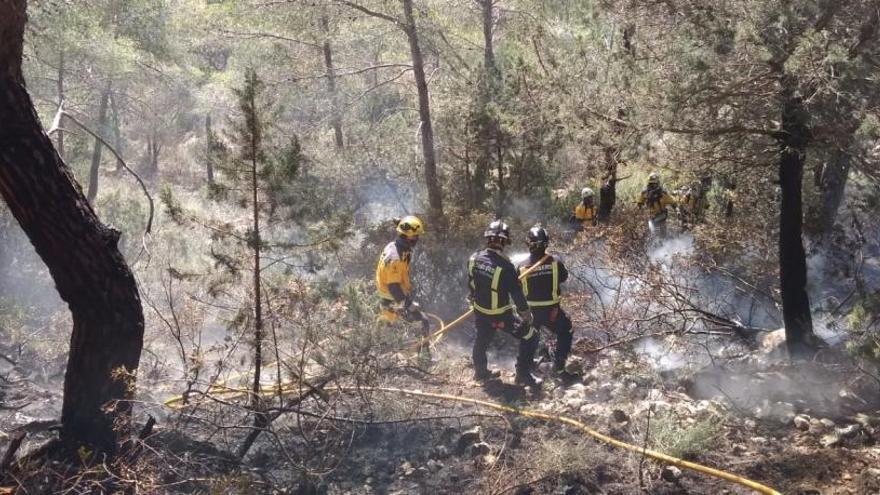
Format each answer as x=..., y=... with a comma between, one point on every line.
x=586, y=193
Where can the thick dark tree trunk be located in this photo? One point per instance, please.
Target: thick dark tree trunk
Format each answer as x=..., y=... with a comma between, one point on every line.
x=435, y=193
x=96, y=151
x=81, y=254
x=792, y=258
x=209, y=152
x=335, y=119
x=59, y=143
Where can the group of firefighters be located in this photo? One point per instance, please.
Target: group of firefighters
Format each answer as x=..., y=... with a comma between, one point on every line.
x=516, y=299
x=690, y=202
x=500, y=300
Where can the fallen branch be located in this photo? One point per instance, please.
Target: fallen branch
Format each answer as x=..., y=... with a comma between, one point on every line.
x=14, y=445
x=56, y=126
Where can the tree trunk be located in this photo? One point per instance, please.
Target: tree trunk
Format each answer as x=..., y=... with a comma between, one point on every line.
x=335, y=119
x=82, y=255
x=209, y=154
x=153, y=150
x=832, y=187
x=261, y=419
x=608, y=187
x=486, y=126
x=60, y=137
x=96, y=151
x=435, y=193
x=792, y=258
x=117, y=131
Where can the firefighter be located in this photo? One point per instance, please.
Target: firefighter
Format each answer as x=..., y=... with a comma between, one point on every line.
x=585, y=212
x=499, y=304
x=657, y=201
x=541, y=288
x=693, y=202
x=392, y=275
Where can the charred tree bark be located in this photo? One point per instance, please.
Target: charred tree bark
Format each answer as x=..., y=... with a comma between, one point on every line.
x=335, y=118
x=435, y=193
x=59, y=143
x=96, y=151
x=793, y=141
x=89, y=272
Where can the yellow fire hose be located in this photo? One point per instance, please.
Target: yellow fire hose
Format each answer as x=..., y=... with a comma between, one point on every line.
x=229, y=393
x=437, y=336
x=286, y=388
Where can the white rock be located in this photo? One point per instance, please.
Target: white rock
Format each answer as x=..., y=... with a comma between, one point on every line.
x=802, y=422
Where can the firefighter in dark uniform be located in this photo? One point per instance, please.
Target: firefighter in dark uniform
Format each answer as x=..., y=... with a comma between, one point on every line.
x=541, y=288
x=499, y=304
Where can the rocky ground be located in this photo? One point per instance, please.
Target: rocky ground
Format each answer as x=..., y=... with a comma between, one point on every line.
x=805, y=428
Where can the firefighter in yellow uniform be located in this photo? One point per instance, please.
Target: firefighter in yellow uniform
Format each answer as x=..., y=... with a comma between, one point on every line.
x=657, y=200
x=392, y=275
x=585, y=212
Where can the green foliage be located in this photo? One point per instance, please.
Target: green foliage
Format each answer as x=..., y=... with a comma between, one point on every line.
x=117, y=208
x=864, y=333
x=685, y=439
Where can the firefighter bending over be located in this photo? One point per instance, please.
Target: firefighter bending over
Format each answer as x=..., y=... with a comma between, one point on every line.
x=657, y=201
x=495, y=292
x=541, y=288
x=585, y=212
x=392, y=275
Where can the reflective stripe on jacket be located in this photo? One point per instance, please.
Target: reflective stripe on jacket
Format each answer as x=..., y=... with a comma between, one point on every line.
x=493, y=283
x=541, y=286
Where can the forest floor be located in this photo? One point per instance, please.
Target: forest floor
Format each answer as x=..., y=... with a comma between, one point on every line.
x=800, y=428
x=731, y=404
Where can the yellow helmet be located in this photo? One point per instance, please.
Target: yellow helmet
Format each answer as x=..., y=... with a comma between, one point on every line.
x=410, y=226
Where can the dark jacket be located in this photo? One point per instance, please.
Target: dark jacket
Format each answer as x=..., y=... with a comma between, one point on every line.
x=493, y=282
x=541, y=286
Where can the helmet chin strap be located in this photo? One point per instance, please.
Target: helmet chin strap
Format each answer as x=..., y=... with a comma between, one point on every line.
x=495, y=243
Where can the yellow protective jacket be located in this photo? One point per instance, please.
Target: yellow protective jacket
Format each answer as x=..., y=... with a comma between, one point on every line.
x=393, y=269
x=657, y=200
x=585, y=214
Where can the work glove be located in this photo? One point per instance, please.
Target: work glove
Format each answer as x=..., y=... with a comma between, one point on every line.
x=526, y=317
x=412, y=312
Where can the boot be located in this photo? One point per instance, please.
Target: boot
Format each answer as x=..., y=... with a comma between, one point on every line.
x=561, y=374
x=527, y=380
x=486, y=375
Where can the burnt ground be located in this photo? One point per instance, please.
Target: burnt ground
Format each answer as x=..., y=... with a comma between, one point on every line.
x=806, y=428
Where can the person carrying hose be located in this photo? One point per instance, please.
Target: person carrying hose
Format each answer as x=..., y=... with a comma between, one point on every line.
x=499, y=304
x=392, y=276
x=657, y=200
x=541, y=288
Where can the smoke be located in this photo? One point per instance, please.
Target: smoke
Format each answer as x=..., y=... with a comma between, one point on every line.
x=381, y=198
x=681, y=245
x=25, y=282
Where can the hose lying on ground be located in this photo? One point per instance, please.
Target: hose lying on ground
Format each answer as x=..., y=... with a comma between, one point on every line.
x=287, y=388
